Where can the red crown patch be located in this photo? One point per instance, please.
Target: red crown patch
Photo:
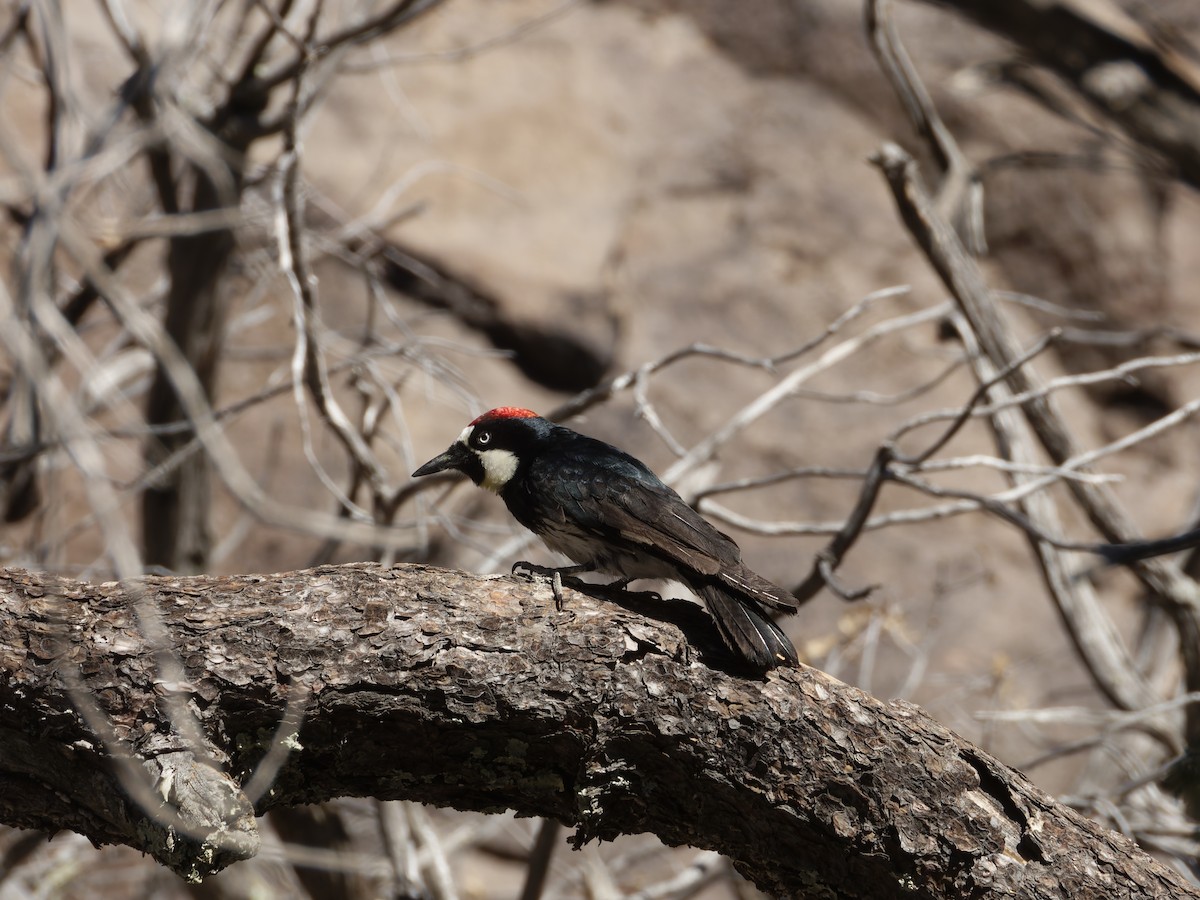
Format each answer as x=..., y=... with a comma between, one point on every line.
x=506, y=412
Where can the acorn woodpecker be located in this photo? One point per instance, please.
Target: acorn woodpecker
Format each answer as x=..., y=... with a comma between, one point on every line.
x=607, y=512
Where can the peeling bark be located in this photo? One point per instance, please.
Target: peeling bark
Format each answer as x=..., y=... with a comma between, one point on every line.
x=472, y=692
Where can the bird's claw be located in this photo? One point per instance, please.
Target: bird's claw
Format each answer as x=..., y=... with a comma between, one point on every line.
x=525, y=569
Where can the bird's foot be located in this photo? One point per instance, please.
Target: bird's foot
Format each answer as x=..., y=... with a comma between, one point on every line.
x=550, y=574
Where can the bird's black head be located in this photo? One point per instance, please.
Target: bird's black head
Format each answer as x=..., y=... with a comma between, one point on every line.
x=491, y=449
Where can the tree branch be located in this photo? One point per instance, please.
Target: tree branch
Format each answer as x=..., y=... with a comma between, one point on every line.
x=1153, y=93
x=472, y=692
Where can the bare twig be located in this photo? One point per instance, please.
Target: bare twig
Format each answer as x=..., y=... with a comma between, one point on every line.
x=703, y=451
x=549, y=836
x=960, y=191
x=587, y=399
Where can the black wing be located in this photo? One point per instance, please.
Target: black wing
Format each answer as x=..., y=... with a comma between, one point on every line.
x=617, y=498
x=623, y=502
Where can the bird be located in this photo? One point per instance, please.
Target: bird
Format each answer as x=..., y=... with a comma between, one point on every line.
x=609, y=513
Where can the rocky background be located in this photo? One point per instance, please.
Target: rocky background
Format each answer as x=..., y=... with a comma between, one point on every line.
x=595, y=186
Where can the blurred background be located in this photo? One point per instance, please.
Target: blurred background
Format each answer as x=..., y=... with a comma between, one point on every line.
x=361, y=224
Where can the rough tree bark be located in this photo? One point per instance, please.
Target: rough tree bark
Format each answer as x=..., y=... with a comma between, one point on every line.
x=473, y=692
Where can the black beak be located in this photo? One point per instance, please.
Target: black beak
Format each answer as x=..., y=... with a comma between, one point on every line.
x=454, y=458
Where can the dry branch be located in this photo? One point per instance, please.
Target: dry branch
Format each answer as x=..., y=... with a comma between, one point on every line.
x=962, y=276
x=471, y=692
x=1152, y=92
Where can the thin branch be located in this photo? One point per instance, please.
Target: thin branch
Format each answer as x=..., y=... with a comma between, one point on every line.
x=400, y=13
x=549, y=836
x=703, y=451
x=960, y=191
x=965, y=281
x=600, y=394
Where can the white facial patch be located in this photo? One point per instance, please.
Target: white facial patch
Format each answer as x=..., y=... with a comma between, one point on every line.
x=499, y=466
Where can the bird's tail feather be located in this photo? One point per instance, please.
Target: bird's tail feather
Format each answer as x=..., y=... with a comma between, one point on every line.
x=747, y=629
x=765, y=593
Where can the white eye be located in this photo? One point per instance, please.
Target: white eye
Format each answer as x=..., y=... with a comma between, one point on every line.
x=484, y=437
